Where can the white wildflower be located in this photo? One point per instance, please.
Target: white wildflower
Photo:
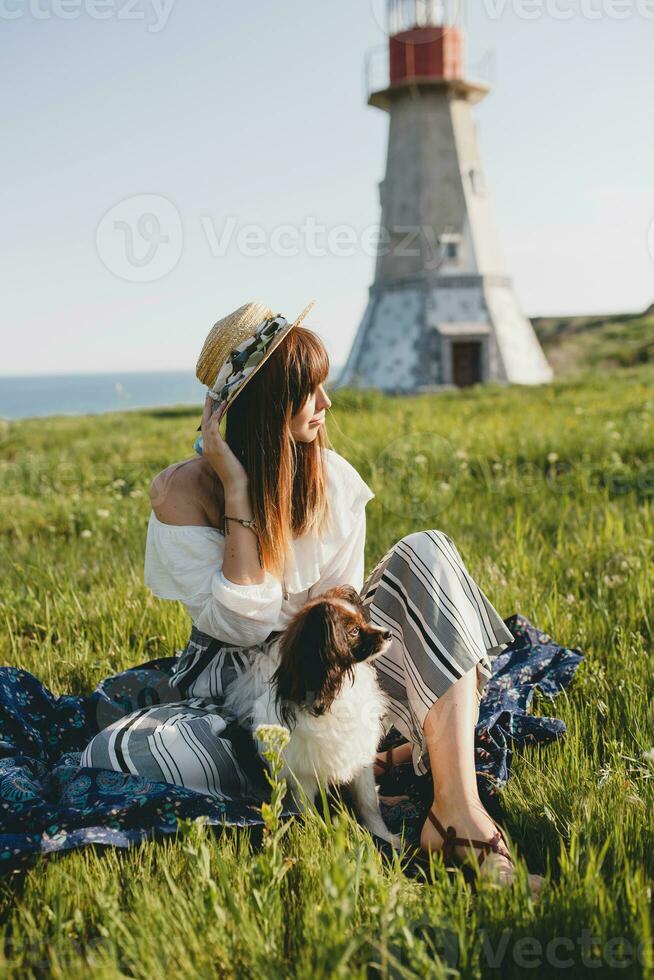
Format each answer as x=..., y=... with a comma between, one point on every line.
x=648, y=756
x=272, y=733
x=86, y=533
x=102, y=512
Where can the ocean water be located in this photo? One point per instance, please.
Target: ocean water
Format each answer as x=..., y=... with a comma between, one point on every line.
x=84, y=394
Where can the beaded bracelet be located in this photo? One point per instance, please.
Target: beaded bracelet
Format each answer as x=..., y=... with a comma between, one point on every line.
x=253, y=527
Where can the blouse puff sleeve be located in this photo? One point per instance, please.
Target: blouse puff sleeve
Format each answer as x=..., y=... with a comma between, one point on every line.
x=184, y=563
x=180, y=563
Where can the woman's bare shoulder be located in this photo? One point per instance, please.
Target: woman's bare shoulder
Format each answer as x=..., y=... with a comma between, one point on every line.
x=187, y=493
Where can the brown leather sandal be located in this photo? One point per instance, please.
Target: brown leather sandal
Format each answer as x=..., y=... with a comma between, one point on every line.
x=497, y=843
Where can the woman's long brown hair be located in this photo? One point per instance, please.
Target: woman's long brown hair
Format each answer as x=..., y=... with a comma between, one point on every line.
x=287, y=479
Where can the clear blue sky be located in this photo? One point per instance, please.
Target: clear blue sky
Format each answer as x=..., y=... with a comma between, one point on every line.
x=256, y=112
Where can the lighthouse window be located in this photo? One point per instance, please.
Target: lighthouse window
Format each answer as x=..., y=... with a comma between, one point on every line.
x=451, y=251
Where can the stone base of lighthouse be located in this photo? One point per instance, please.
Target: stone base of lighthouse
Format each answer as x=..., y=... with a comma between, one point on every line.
x=459, y=331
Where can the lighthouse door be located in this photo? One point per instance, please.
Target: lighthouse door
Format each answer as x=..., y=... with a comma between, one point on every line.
x=466, y=363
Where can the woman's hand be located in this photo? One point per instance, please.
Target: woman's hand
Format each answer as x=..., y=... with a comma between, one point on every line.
x=215, y=450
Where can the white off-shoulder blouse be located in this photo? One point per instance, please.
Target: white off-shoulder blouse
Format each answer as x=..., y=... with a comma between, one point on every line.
x=184, y=562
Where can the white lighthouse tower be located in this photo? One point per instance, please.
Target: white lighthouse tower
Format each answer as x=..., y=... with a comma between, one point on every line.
x=442, y=311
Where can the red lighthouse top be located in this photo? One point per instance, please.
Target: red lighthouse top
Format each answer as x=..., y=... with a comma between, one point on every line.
x=426, y=41
x=425, y=52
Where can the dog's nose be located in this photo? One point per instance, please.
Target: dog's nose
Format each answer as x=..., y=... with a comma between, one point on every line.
x=387, y=634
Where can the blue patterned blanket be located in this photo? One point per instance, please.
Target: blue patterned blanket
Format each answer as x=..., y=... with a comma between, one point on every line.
x=48, y=803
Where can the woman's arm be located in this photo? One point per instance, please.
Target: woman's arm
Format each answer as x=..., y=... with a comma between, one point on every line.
x=241, y=563
x=234, y=599
x=240, y=614
x=184, y=562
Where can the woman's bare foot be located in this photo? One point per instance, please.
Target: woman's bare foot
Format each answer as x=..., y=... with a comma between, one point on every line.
x=475, y=824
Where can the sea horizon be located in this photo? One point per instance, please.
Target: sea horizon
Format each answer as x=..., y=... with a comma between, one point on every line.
x=96, y=393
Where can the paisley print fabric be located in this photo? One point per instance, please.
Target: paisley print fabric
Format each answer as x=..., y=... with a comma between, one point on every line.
x=49, y=803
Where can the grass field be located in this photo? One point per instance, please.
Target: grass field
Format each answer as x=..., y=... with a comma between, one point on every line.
x=548, y=495
x=601, y=344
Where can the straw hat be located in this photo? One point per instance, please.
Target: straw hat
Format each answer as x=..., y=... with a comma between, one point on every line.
x=238, y=345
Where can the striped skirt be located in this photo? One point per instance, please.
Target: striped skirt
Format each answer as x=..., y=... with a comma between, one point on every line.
x=442, y=624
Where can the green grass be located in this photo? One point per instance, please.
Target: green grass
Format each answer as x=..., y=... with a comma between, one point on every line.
x=575, y=345
x=548, y=494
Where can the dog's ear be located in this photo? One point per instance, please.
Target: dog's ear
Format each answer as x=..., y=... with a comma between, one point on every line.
x=346, y=592
x=314, y=656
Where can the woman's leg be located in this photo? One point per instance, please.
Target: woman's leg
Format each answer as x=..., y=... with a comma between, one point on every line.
x=185, y=743
x=188, y=739
x=400, y=755
x=450, y=738
x=445, y=631
x=449, y=731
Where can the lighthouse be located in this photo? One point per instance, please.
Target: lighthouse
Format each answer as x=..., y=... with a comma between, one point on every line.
x=442, y=312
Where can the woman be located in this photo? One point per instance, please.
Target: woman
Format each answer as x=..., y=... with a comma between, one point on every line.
x=266, y=518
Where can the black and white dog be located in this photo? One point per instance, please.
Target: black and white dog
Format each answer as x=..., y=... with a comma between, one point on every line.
x=317, y=680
